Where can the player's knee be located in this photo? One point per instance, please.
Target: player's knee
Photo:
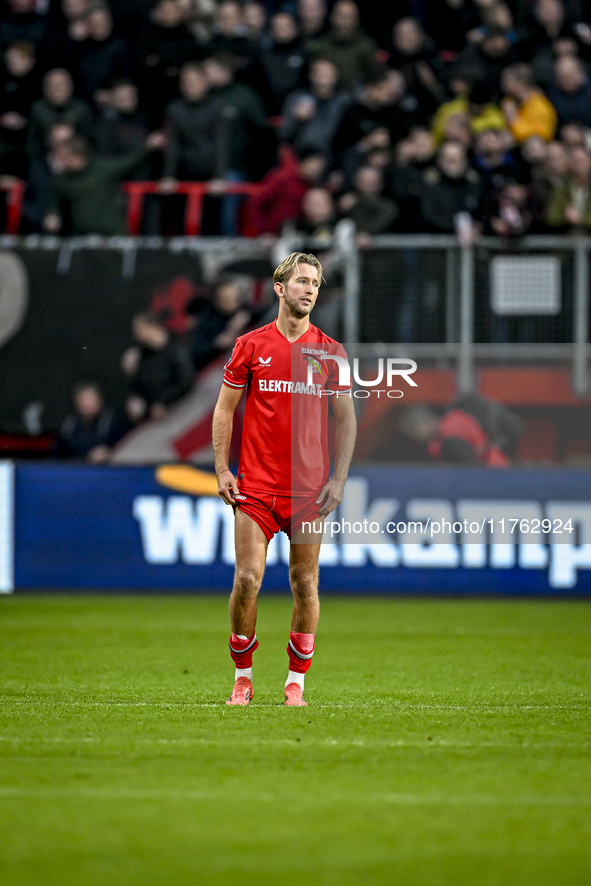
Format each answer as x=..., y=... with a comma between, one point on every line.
x=247, y=582
x=304, y=583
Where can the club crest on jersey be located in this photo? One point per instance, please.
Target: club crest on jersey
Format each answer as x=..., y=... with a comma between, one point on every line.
x=315, y=364
x=264, y=362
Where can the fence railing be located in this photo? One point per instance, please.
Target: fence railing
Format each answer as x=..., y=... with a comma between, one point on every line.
x=496, y=300
x=195, y=192
x=137, y=191
x=423, y=295
x=14, y=190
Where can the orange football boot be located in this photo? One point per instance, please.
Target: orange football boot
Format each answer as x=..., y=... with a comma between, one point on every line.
x=242, y=692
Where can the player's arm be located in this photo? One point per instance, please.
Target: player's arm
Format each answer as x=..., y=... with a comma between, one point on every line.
x=221, y=432
x=346, y=432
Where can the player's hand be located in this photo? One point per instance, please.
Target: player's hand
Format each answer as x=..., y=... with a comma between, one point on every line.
x=331, y=496
x=52, y=223
x=167, y=185
x=227, y=487
x=99, y=455
x=573, y=216
x=13, y=120
x=216, y=187
x=157, y=411
x=156, y=141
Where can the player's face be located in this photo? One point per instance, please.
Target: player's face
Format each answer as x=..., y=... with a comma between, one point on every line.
x=301, y=290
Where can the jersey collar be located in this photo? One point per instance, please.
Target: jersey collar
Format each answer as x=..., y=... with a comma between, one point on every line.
x=300, y=339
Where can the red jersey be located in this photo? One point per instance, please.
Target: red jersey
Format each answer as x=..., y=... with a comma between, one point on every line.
x=284, y=447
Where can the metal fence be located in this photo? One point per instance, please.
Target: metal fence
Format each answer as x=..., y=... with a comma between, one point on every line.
x=426, y=296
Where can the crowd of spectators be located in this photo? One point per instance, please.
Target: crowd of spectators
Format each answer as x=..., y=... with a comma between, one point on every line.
x=158, y=368
x=404, y=117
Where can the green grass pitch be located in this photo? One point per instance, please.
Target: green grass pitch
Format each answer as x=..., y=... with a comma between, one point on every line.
x=445, y=743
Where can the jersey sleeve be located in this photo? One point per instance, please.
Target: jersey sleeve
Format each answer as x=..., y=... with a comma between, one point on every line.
x=237, y=369
x=333, y=372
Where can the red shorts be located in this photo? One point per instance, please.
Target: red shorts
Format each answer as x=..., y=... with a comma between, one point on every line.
x=279, y=513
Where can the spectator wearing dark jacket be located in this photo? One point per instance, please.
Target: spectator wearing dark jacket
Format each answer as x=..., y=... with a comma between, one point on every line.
x=122, y=128
x=487, y=58
x=22, y=22
x=312, y=116
x=159, y=368
x=92, y=428
x=68, y=29
x=229, y=37
x=404, y=177
x=413, y=54
x=512, y=210
x=493, y=161
x=546, y=23
x=103, y=56
x=365, y=204
x=317, y=219
x=374, y=120
x=312, y=19
x=448, y=21
x=449, y=188
x=241, y=121
x=254, y=20
x=162, y=45
x=571, y=93
x=190, y=127
x=42, y=171
x=347, y=45
x=282, y=64
x=550, y=33
x=57, y=105
x=19, y=87
x=218, y=322
x=243, y=139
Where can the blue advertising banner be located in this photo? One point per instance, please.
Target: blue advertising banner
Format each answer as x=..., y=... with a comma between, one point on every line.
x=427, y=530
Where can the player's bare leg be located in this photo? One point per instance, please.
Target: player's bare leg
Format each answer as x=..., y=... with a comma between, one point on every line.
x=251, y=554
x=303, y=578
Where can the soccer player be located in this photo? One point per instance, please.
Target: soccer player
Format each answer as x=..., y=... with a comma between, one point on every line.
x=283, y=475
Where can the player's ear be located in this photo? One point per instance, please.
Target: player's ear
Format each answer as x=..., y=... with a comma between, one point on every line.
x=278, y=287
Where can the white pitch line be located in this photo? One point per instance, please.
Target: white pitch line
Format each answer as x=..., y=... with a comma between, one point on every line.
x=159, y=794
x=309, y=740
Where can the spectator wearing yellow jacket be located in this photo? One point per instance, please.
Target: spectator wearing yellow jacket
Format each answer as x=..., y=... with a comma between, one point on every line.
x=527, y=111
x=483, y=113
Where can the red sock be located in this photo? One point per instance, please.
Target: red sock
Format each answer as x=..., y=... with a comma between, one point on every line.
x=241, y=650
x=300, y=650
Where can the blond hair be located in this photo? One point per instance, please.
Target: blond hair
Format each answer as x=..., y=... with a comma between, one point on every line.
x=285, y=270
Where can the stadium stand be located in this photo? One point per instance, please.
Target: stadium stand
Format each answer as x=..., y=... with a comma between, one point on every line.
x=207, y=73
x=448, y=133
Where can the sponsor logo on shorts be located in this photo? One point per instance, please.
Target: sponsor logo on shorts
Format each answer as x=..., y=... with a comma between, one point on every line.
x=240, y=497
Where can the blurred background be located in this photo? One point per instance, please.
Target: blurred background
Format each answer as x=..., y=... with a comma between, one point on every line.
x=158, y=160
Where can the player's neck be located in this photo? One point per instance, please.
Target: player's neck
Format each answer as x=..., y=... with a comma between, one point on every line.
x=292, y=327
